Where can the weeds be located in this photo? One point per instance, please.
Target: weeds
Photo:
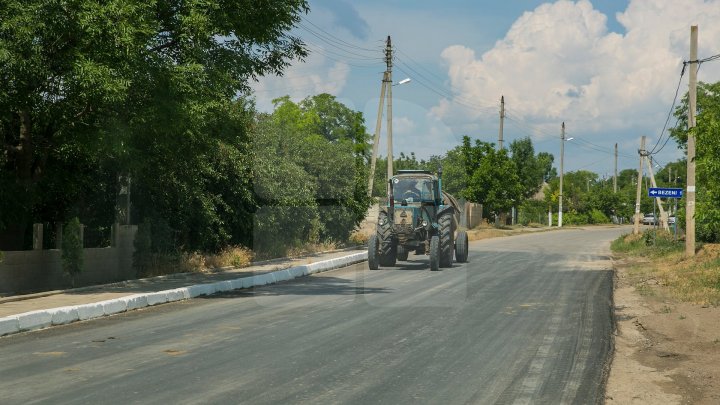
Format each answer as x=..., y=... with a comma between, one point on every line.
x=657, y=256
x=234, y=256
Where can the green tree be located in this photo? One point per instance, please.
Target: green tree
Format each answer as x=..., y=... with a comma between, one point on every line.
x=310, y=171
x=707, y=159
x=492, y=178
x=132, y=87
x=530, y=169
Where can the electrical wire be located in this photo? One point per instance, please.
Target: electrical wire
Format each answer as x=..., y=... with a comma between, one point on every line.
x=672, y=107
x=336, y=39
x=339, y=44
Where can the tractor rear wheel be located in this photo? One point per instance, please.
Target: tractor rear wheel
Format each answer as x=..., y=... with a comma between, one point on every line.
x=386, y=245
x=402, y=253
x=435, y=253
x=373, y=253
x=446, y=240
x=461, y=247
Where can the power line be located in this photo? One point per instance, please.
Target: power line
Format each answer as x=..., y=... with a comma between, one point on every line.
x=336, y=39
x=672, y=107
x=339, y=44
x=420, y=65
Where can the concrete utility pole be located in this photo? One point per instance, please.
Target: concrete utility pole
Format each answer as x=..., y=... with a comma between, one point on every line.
x=663, y=216
x=615, y=176
x=502, y=121
x=641, y=152
x=690, y=196
x=376, y=139
x=562, y=158
x=388, y=61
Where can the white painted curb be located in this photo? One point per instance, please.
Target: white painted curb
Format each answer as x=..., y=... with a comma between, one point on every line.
x=63, y=315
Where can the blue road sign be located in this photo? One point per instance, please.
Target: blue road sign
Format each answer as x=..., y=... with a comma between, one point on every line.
x=665, y=192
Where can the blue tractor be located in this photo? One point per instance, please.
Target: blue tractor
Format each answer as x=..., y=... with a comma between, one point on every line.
x=420, y=218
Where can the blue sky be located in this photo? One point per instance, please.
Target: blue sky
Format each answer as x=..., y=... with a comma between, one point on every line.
x=609, y=69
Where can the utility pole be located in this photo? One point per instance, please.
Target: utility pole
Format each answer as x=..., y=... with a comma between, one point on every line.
x=615, y=176
x=502, y=121
x=376, y=139
x=388, y=61
x=641, y=152
x=562, y=158
x=690, y=196
x=663, y=217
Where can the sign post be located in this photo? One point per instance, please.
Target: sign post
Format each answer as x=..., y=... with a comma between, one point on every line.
x=662, y=192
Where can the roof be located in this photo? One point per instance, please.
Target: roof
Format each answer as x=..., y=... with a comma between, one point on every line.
x=407, y=171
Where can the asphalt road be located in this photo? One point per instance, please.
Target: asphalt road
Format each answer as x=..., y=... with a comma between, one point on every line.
x=527, y=320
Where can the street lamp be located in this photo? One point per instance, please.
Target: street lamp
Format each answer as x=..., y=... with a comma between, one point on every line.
x=403, y=81
x=562, y=158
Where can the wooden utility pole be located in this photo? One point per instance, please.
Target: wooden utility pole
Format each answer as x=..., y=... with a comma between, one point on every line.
x=663, y=216
x=562, y=159
x=690, y=196
x=615, y=176
x=641, y=152
x=376, y=139
x=502, y=121
x=388, y=61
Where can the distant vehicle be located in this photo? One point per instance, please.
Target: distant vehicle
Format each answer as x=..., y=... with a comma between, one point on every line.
x=649, y=219
x=671, y=220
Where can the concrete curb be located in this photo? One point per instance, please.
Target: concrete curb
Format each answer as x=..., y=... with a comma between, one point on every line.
x=35, y=320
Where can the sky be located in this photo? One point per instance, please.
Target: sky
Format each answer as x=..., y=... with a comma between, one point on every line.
x=608, y=69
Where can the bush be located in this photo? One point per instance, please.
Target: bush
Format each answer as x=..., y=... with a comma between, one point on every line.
x=598, y=217
x=575, y=218
x=72, y=249
x=235, y=256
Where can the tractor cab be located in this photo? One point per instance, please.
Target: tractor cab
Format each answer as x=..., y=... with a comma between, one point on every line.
x=414, y=187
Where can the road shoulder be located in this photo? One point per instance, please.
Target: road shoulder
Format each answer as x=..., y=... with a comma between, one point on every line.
x=666, y=351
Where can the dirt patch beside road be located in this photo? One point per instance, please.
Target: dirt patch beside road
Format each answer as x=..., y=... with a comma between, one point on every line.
x=666, y=351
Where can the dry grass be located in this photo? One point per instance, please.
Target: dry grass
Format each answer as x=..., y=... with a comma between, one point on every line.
x=233, y=256
x=359, y=238
x=311, y=248
x=695, y=280
x=163, y=264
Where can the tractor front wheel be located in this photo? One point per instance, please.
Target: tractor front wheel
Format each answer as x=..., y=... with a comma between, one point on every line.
x=386, y=245
x=373, y=253
x=402, y=253
x=435, y=253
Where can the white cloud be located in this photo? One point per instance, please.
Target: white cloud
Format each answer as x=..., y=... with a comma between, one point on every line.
x=403, y=125
x=559, y=62
x=317, y=75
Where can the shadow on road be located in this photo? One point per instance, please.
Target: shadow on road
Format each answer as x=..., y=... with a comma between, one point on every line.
x=305, y=286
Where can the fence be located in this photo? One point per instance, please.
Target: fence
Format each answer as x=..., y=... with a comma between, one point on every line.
x=41, y=269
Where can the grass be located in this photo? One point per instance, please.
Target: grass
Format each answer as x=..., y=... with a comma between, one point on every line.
x=656, y=256
x=234, y=256
x=159, y=264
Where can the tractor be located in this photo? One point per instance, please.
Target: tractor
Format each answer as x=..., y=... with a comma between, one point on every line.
x=420, y=218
